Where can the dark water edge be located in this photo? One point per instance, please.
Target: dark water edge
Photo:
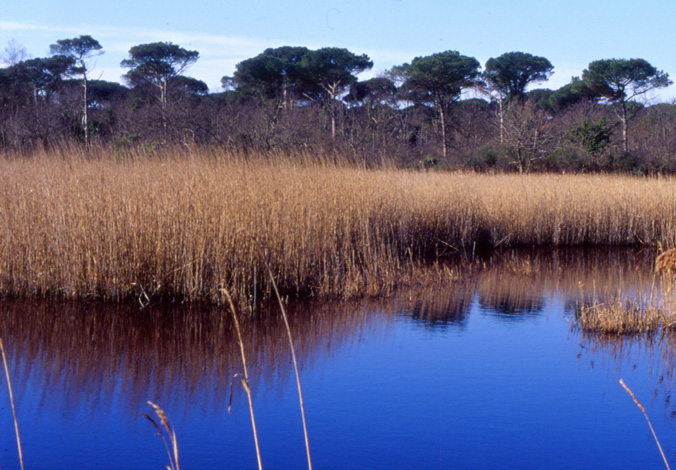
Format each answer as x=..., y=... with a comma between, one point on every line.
x=486, y=372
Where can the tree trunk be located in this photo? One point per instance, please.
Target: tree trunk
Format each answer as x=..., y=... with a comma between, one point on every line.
x=442, y=119
x=625, y=126
x=163, y=103
x=85, y=110
x=333, y=129
x=501, y=113
x=332, y=90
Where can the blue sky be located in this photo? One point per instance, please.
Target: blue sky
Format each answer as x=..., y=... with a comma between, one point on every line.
x=570, y=34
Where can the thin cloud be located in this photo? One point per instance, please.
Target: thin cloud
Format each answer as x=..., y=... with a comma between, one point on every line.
x=14, y=26
x=134, y=35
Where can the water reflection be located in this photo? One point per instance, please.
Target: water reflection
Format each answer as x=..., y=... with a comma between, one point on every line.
x=89, y=351
x=86, y=356
x=450, y=307
x=513, y=285
x=86, y=349
x=624, y=354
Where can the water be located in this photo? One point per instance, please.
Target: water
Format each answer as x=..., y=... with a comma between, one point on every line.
x=486, y=373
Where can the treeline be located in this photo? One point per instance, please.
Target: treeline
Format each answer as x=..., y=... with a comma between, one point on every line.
x=442, y=110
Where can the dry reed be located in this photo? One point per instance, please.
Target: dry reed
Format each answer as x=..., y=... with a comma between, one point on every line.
x=648, y=310
x=295, y=367
x=245, y=379
x=11, y=399
x=180, y=225
x=171, y=433
x=640, y=407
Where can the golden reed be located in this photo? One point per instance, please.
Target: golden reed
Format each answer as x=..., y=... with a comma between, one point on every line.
x=666, y=261
x=182, y=224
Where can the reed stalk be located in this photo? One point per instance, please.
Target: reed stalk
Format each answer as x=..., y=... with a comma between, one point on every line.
x=295, y=366
x=640, y=407
x=11, y=398
x=245, y=379
x=171, y=432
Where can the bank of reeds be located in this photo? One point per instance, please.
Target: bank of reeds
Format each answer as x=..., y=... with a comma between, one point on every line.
x=648, y=310
x=624, y=316
x=181, y=225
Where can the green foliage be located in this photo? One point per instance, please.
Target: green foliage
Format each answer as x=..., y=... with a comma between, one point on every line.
x=157, y=62
x=540, y=97
x=80, y=49
x=375, y=90
x=39, y=76
x=577, y=91
x=430, y=162
x=103, y=91
x=126, y=143
x=626, y=162
x=619, y=80
x=327, y=72
x=270, y=74
x=593, y=136
x=565, y=159
x=485, y=158
x=622, y=80
x=189, y=87
x=298, y=73
x=510, y=73
x=437, y=79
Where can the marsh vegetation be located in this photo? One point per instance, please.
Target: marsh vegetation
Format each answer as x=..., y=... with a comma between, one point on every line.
x=181, y=225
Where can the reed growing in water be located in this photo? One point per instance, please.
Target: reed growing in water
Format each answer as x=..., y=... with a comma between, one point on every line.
x=182, y=225
x=648, y=308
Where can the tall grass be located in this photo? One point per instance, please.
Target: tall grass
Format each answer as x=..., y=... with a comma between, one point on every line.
x=183, y=224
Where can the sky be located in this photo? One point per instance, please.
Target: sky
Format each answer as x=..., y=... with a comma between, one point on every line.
x=571, y=33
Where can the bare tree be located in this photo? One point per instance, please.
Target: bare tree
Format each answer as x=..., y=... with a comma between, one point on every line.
x=13, y=53
x=528, y=133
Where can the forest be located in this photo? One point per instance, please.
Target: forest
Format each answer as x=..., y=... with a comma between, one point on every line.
x=441, y=111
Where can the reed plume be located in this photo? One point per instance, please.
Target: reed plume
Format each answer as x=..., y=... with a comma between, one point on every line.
x=171, y=433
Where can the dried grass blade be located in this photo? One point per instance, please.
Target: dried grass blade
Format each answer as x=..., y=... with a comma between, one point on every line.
x=245, y=379
x=640, y=407
x=173, y=461
x=295, y=366
x=160, y=434
x=11, y=398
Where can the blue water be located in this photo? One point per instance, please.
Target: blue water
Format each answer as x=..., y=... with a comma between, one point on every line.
x=401, y=383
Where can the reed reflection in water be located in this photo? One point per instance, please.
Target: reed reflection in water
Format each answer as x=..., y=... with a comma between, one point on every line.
x=87, y=360
x=155, y=352
x=82, y=350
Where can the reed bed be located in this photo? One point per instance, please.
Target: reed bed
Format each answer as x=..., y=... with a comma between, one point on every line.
x=623, y=317
x=645, y=306
x=184, y=224
x=649, y=311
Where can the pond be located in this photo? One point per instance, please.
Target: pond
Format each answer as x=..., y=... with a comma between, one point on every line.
x=486, y=372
